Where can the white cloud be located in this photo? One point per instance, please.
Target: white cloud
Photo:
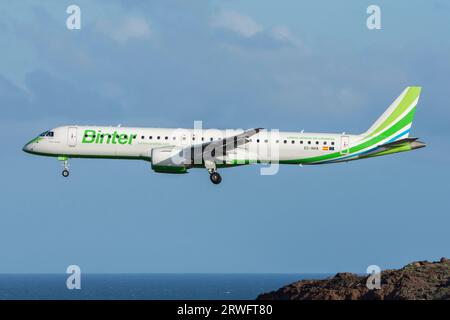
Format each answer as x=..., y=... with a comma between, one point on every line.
x=128, y=28
x=282, y=33
x=247, y=27
x=236, y=22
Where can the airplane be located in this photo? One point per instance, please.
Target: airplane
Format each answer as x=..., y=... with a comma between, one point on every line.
x=178, y=150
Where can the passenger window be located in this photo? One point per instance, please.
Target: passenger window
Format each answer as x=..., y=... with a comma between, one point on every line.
x=332, y=143
x=317, y=142
x=166, y=138
x=285, y=141
x=257, y=140
x=211, y=139
x=292, y=141
x=158, y=137
x=266, y=141
x=142, y=137
x=309, y=142
x=324, y=143
x=301, y=141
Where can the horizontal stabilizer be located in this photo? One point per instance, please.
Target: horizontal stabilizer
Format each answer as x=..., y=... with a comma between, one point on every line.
x=401, y=145
x=397, y=143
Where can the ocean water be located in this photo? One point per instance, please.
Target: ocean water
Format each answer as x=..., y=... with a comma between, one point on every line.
x=146, y=286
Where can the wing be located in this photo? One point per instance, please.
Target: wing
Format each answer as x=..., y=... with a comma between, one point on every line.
x=232, y=142
x=217, y=148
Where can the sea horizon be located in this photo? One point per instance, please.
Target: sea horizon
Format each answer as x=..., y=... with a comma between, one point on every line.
x=146, y=286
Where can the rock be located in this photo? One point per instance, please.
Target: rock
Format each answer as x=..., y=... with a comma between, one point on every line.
x=421, y=280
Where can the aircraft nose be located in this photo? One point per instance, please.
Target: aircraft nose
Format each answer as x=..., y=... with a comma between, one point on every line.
x=27, y=148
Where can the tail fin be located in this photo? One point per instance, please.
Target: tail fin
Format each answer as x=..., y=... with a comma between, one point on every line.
x=397, y=119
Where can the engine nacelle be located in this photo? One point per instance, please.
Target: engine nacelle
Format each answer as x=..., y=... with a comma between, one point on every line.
x=169, y=160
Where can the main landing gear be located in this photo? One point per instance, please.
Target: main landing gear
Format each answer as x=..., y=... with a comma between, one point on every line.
x=215, y=177
x=213, y=174
x=65, y=160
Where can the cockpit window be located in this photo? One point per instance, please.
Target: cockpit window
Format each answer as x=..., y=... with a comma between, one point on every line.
x=47, y=133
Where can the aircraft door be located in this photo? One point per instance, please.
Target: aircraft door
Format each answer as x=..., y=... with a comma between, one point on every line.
x=345, y=143
x=72, y=136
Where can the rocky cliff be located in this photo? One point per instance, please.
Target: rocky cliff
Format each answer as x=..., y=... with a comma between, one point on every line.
x=417, y=280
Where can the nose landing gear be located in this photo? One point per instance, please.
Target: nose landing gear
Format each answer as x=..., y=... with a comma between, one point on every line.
x=65, y=160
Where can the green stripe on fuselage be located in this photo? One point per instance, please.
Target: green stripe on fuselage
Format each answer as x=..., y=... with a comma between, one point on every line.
x=401, y=148
x=395, y=128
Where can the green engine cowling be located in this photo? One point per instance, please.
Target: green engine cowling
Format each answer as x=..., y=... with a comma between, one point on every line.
x=168, y=160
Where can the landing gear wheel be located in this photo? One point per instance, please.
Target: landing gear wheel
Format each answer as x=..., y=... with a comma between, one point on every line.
x=65, y=173
x=215, y=178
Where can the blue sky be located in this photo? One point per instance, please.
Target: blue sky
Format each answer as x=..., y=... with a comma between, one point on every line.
x=232, y=64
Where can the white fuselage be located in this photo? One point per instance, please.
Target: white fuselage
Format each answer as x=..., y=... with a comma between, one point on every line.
x=138, y=143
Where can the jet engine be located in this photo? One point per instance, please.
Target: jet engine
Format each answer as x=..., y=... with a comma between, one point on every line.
x=169, y=160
